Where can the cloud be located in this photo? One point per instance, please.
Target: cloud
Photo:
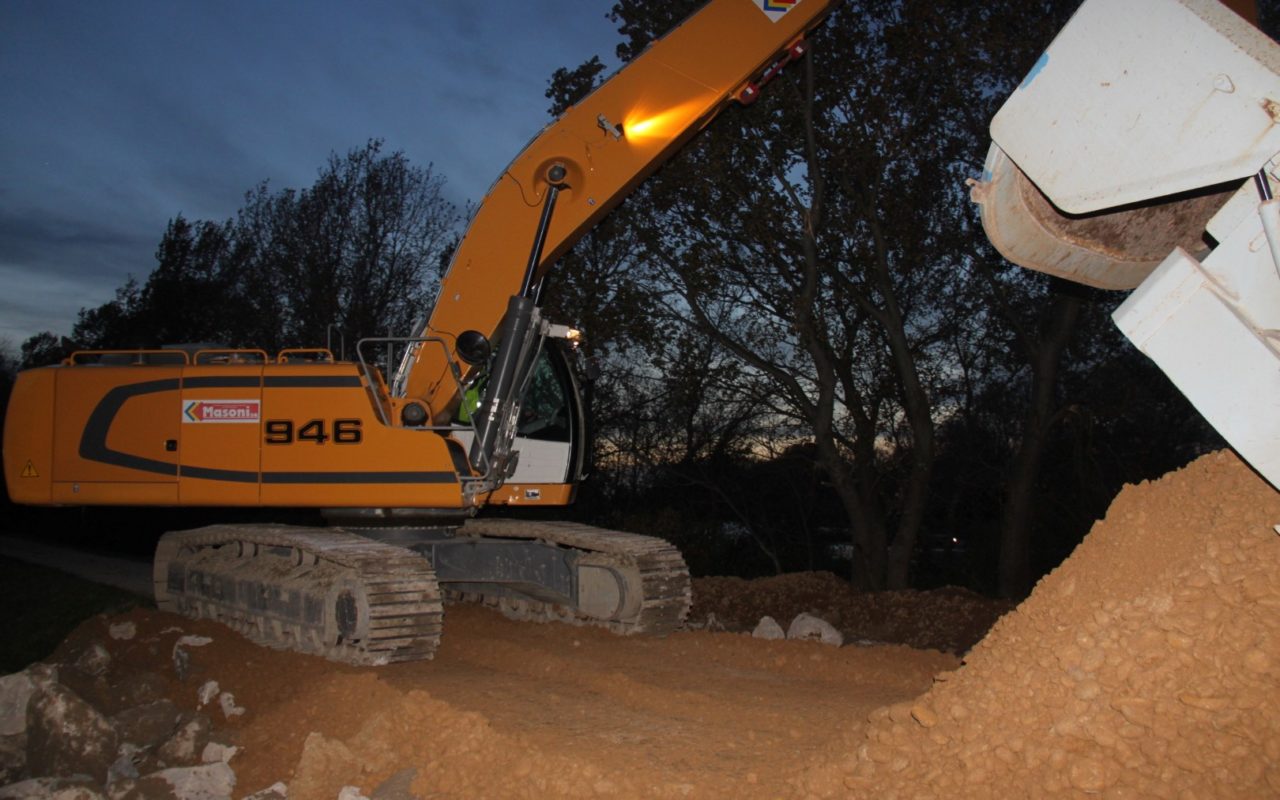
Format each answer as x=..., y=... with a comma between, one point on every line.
x=119, y=117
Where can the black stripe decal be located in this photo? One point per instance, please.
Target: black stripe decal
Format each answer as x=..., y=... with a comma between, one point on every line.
x=210, y=474
x=93, y=442
x=313, y=382
x=230, y=382
x=273, y=382
x=359, y=477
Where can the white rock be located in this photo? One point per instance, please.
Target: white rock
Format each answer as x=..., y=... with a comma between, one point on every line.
x=207, y=692
x=95, y=660
x=124, y=767
x=122, y=631
x=181, y=658
x=276, y=791
x=214, y=752
x=350, y=793
x=187, y=743
x=15, y=692
x=768, y=628
x=229, y=708
x=807, y=626
x=77, y=787
x=206, y=782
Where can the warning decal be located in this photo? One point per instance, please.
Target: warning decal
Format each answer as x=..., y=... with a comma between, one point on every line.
x=221, y=411
x=29, y=471
x=775, y=9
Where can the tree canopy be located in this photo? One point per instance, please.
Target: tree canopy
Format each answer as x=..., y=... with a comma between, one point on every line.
x=358, y=253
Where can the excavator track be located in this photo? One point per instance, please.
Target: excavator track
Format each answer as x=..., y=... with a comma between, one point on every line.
x=654, y=573
x=315, y=590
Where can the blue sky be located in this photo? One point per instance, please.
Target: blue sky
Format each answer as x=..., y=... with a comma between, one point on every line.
x=116, y=117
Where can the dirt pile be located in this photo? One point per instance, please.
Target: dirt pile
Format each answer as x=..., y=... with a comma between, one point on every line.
x=950, y=619
x=1147, y=665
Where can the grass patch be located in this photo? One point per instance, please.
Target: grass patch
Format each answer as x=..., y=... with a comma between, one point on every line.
x=41, y=606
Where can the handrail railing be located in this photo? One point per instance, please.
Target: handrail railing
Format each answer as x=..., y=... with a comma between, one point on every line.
x=128, y=358
x=223, y=356
x=308, y=355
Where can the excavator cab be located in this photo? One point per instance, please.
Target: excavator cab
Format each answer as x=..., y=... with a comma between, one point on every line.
x=551, y=432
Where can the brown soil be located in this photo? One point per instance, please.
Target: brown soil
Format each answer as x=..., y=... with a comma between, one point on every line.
x=950, y=619
x=1148, y=665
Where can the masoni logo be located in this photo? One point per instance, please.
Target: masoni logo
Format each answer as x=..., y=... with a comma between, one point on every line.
x=775, y=9
x=221, y=411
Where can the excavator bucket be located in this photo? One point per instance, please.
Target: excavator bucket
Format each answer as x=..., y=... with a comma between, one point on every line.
x=1140, y=153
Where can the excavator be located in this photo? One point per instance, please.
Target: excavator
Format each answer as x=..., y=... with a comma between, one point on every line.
x=482, y=411
x=1141, y=153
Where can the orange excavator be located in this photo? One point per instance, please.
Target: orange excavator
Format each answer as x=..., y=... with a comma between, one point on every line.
x=483, y=409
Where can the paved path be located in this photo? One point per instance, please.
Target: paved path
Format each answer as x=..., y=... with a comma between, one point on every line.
x=132, y=575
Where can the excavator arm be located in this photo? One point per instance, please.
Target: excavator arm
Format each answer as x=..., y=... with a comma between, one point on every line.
x=569, y=176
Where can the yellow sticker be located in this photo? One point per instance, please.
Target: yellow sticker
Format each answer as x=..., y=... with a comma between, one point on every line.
x=29, y=471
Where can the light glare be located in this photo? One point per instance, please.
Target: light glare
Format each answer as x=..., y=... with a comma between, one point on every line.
x=639, y=126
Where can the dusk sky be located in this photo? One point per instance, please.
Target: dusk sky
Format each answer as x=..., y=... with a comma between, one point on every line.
x=119, y=116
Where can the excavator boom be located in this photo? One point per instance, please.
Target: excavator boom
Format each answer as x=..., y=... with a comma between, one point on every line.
x=607, y=145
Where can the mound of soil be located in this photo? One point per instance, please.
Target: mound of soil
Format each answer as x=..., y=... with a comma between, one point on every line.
x=950, y=619
x=1147, y=665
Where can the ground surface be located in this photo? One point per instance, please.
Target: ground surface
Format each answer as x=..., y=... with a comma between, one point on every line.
x=1148, y=665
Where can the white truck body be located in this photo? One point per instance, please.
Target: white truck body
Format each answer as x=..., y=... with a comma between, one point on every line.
x=1140, y=153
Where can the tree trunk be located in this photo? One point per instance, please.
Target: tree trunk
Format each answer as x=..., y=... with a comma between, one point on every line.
x=1015, y=526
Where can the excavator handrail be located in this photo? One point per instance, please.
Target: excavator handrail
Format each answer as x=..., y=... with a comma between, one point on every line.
x=234, y=356
x=140, y=358
x=321, y=354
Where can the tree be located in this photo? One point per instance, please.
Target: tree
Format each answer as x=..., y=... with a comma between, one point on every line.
x=42, y=349
x=359, y=250
x=821, y=238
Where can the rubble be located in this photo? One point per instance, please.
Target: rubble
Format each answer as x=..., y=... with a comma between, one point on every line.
x=808, y=627
x=188, y=743
x=15, y=691
x=122, y=631
x=950, y=619
x=768, y=628
x=276, y=791
x=227, y=702
x=72, y=788
x=207, y=691
x=204, y=782
x=87, y=727
x=67, y=736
